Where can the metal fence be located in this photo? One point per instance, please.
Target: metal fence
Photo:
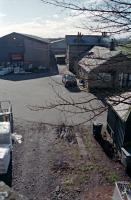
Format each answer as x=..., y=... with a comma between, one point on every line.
x=122, y=191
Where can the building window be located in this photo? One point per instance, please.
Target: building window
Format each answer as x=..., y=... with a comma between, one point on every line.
x=104, y=76
x=129, y=77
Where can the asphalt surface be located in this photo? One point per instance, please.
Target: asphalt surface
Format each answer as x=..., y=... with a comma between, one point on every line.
x=25, y=91
x=32, y=175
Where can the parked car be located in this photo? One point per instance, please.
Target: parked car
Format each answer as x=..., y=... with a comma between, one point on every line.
x=69, y=80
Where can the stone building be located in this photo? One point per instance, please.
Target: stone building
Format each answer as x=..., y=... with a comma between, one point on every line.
x=103, y=67
x=78, y=45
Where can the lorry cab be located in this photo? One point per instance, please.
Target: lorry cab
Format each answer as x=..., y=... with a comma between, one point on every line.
x=6, y=128
x=5, y=134
x=5, y=146
x=6, y=114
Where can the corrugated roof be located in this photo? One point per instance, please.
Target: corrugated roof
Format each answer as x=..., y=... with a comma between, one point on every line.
x=97, y=56
x=54, y=39
x=35, y=37
x=40, y=39
x=121, y=104
x=58, y=40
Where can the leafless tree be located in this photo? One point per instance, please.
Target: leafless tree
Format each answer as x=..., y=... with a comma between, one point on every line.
x=114, y=16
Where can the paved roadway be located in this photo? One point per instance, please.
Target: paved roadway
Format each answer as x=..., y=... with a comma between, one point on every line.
x=38, y=90
x=32, y=173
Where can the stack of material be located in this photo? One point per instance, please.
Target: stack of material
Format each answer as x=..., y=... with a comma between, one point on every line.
x=9, y=194
x=5, y=70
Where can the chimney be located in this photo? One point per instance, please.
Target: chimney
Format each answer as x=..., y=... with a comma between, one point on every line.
x=79, y=37
x=104, y=34
x=112, y=45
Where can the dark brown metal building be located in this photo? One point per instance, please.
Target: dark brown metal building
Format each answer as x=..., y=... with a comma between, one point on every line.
x=26, y=51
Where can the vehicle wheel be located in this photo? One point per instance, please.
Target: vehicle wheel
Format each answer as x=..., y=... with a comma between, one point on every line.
x=75, y=85
x=66, y=85
x=8, y=176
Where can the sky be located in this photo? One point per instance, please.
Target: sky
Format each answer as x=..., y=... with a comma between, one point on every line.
x=36, y=18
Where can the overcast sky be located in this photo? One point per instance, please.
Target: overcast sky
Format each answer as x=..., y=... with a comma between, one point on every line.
x=34, y=17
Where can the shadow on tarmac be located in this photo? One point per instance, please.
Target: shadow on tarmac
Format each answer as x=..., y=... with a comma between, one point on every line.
x=28, y=76
x=73, y=89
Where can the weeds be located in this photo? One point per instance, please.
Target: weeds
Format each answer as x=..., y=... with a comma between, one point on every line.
x=68, y=182
x=112, y=178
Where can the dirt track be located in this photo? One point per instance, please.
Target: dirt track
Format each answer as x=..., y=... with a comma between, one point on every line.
x=38, y=175
x=31, y=160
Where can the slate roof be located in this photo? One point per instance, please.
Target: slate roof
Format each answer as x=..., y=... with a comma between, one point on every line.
x=97, y=56
x=87, y=40
x=121, y=105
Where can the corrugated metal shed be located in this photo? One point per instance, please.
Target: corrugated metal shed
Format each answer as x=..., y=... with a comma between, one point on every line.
x=119, y=121
x=21, y=50
x=121, y=105
x=35, y=37
x=40, y=39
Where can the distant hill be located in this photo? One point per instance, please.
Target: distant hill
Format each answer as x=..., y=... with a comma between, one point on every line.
x=53, y=39
x=124, y=41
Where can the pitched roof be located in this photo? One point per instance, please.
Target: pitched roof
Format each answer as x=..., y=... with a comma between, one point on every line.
x=87, y=39
x=54, y=39
x=97, y=56
x=121, y=104
x=58, y=40
x=35, y=37
x=40, y=39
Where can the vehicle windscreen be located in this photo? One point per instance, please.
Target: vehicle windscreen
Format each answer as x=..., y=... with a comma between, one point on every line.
x=4, y=118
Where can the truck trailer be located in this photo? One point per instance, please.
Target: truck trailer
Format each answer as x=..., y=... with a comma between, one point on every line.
x=119, y=126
